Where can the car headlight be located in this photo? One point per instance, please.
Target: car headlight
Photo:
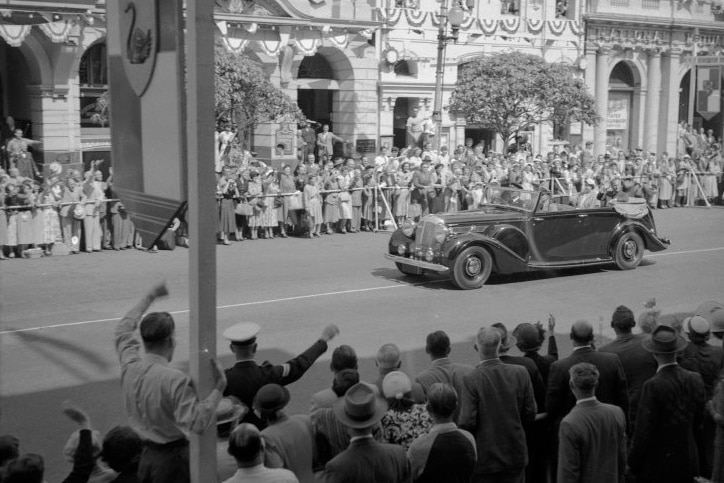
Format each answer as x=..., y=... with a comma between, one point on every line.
x=402, y=249
x=440, y=233
x=408, y=227
x=429, y=256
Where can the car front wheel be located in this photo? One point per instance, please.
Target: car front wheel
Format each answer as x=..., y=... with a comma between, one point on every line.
x=629, y=251
x=472, y=268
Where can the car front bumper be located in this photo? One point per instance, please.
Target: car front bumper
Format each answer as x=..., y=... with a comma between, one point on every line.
x=435, y=267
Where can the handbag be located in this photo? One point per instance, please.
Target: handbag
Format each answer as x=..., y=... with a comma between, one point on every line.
x=295, y=202
x=78, y=211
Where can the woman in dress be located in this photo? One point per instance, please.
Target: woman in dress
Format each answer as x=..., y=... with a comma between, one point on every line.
x=51, y=221
x=70, y=224
x=331, y=203
x=404, y=421
x=439, y=182
x=355, y=186
x=667, y=177
x=270, y=213
x=401, y=199
x=345, y=201
x=25, y=226
x=313, y=205
x=369, y=180
x=227, y=193
x=288, y=217
x=423, y=191
x=254, y=190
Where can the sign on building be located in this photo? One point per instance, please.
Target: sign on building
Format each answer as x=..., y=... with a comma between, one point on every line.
x=617, y=119
x=708, y=91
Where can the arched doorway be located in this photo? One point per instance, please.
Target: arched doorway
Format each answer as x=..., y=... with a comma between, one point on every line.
x=620, y=107
x=315, y=98
x=16, y=77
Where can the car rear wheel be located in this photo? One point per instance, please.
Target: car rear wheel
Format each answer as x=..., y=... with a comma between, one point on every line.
x=472, y=268
x=409, y=271
x=629, y=251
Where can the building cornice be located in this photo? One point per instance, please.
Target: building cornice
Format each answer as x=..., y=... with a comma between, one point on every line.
x=625, y=20
x=316, y=23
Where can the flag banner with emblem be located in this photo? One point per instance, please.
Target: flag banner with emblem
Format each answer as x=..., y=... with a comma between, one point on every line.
x=708, y=91
x=145, y=63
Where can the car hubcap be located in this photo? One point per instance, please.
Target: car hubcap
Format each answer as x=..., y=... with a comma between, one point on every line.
x=630, y=250
x=473, y=266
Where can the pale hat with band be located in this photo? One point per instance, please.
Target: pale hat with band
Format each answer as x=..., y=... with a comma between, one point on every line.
x=360, y=407
x=243, y=333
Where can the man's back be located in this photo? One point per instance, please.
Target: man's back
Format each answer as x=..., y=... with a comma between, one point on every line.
x=368, y=461
x=668, y=424
x=638, y=365
x=705, y=359
x=611, y=386
x=446, y=372
x=290, y=444
x=445, y=454
x=497, y=401
x=592, y=444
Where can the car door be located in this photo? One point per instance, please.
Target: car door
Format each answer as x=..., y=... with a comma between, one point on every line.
x=597, y=224
x=555, y=236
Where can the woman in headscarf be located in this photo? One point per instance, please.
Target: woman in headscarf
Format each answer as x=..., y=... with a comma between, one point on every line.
x=254, y=190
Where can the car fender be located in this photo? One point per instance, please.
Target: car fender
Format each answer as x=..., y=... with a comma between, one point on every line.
x=504, y=259
x=651, y=241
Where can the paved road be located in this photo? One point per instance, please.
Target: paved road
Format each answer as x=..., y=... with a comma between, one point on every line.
x=58, y=314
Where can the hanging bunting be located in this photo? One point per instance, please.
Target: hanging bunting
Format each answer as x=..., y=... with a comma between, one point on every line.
x=57, y=32
x=235, y=45
x=557, y=27
x=381, y=14
x=340, y=41
x=307, y=46
x=435, y=18
x=510, y=25
x=576, y=28
x=488, y=26
x=14, y=34
x=395, y=15
x=415, y=18
x=468, y=21
x=535, y=25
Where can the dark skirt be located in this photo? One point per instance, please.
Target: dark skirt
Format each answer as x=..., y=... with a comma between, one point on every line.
x=227, y=216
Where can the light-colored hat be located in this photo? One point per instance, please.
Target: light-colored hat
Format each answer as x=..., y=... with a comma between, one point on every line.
x=696, y=324
x=230, y=409
x=242, y=333
x=396, y=384
x=713, y=312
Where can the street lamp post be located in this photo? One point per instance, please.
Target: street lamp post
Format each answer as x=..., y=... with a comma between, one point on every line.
x=455, y=17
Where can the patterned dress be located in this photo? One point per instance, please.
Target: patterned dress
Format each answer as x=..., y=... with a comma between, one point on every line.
x=402, y=427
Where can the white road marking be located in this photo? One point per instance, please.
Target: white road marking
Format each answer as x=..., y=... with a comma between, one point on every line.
x=231, y=306
x=301, y=297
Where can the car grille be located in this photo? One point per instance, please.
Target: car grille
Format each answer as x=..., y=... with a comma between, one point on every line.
x=425, y=235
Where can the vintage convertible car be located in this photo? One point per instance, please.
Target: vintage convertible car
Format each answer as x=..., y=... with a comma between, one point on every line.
x=516, y=231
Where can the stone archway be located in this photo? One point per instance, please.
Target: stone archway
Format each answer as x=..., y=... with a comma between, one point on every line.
x=624, y=86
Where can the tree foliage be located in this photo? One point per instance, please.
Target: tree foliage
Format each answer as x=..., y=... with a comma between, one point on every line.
x=244, y=93
x=512, y=90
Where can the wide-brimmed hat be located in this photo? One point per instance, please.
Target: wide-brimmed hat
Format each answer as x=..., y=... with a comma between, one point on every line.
x=230, y=409
x=664, y=340
x=270, y=398
x=528, y=337
x=507, y=341
x=360, y=407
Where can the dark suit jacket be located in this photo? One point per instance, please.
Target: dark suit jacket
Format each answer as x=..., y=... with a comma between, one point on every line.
x=668, y=427
x=611, y=382
x=496, y=403
x=592, y=444
x=638, y=365
x=367, y=461
x=445, y=371
x=245, y=378
x=539, y=389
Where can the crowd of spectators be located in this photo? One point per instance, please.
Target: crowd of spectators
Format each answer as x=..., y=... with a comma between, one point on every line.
x=645, y=407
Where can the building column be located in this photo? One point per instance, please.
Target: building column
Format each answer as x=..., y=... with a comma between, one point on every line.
x=669, y=112
x=651, y=122
x=599, y=131
x=590, y=77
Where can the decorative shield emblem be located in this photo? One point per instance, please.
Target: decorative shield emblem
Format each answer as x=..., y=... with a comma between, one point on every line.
x=139, y=41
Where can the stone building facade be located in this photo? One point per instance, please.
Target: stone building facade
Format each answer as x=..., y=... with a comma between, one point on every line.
x=361, y=66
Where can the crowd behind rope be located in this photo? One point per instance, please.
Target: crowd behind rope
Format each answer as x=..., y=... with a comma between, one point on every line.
x=647, y=407
x=322, y=194
x=345, y=195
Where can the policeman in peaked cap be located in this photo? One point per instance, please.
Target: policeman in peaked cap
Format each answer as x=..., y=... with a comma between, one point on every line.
x=247, y=376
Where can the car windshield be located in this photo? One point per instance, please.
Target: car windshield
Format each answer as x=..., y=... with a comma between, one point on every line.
x=512, y=197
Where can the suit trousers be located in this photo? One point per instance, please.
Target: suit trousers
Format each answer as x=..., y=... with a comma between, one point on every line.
x=71, y=228
x=93, y=232
x=165, y=463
